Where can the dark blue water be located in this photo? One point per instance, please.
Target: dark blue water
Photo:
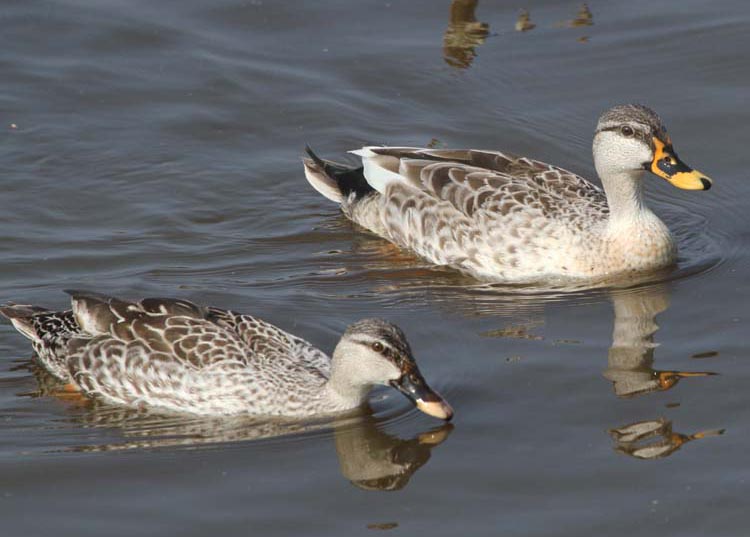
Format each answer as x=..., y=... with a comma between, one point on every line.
x=154, y=149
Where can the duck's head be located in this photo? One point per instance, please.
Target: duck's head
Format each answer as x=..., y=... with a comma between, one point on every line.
x=374, y=351
x=630, y=138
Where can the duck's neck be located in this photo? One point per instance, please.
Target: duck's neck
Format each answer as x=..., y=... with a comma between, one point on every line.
x=625, y=197
x=636, y=235
x=344, y=390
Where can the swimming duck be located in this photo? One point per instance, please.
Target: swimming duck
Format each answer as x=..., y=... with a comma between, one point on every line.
x=501, y=217
x=178, y=356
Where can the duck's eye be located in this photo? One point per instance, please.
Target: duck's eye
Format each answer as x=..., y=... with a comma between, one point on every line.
x=377, y=346
x=627, y=131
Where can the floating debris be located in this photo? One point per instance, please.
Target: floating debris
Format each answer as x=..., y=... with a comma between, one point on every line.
x=435, y=144
x=382, y=526
x=567, y=342
x=516, y=332
x=708, y=354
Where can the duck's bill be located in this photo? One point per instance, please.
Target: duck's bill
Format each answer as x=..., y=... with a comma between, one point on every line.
x=427, y=400
x=666, y=164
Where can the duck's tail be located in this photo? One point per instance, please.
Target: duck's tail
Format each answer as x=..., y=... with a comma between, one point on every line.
x=49, y=332
x=21, y=316
x=335, y=181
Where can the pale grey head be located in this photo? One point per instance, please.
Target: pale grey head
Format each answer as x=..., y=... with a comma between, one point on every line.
x=374, y=351
x=631, y=138
x=388, y=335
x=641, y=119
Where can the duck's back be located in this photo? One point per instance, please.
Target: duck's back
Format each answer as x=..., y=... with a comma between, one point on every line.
x=489, y=213
x=179, y=356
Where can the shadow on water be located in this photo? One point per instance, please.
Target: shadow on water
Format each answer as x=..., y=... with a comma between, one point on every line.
x=369, y=457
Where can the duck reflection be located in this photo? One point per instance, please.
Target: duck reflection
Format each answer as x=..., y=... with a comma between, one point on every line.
x=463, y=34
x=631, y=356
x=653, y=439
x=630, y=360
x=372, y=459
x=584, y=17
x=630, y=368
x=524, y=24
x=375, y=460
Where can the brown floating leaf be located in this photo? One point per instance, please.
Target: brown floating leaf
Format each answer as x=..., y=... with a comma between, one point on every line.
x=708, y=354
x=382, y=525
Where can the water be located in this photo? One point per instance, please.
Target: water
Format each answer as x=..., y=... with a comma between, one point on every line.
x=153, y=149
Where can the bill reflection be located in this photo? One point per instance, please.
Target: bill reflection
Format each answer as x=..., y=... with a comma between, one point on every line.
x=630, y=363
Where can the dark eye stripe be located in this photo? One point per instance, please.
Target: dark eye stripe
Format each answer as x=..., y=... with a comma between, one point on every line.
x=398, y=354
x=638, y=134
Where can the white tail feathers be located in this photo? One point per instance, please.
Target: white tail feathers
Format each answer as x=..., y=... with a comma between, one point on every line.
x=379, y=170
x=322, y=183
x=25, y=326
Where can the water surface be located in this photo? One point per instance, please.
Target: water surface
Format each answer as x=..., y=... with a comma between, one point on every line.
x=154, y=149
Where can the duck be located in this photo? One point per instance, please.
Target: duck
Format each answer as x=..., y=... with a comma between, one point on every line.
x=174, y=355
x=500, y=217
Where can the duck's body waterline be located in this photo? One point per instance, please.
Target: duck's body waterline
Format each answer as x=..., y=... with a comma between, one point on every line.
x=176, y=356
x=500, y=217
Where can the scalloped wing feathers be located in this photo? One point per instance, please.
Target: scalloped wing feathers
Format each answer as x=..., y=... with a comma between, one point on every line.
x=176, y=355
x=488, y=213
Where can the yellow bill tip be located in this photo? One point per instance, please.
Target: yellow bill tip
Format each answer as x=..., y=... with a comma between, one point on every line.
x=437, y=409
x=692, y=180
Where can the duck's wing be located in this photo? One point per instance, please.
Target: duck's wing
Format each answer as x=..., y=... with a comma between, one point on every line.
x=484, y=211
x=161, y=352
x=267, y=340
x=179, y=326
x=158, y=359
x=158, y=345
x=484, y=182
x=92, y=315
x=176, y=328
